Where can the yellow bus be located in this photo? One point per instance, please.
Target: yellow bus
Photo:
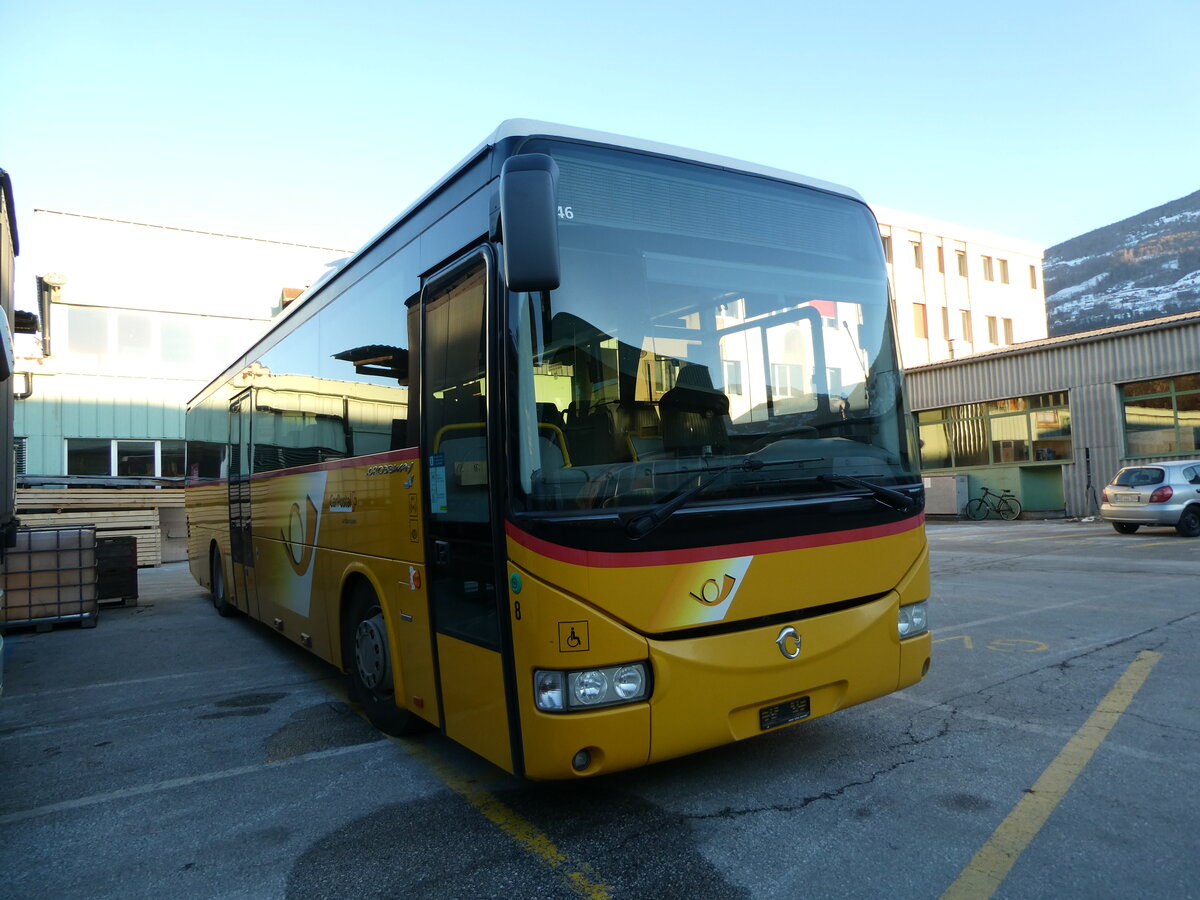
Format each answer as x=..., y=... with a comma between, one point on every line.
x=596, y=456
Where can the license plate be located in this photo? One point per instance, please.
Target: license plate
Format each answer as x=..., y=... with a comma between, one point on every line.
x=1127, y=498
x=783, y=713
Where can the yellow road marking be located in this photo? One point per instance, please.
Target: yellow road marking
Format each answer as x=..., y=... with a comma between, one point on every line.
x=580, y=877
x=1140, y=545
x=958, y=637
x=983, y=875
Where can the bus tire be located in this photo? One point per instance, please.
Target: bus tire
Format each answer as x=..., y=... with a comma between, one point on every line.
x=368, y=661
x=220, y=594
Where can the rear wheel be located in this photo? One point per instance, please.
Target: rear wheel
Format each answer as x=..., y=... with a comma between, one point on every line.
x=1189, y=522
x=1008, y=507
x=220, y=597
x=976, y=509
x=1124, y=527
x=368, y=660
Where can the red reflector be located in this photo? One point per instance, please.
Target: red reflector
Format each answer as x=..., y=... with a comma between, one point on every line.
x=1162, y=494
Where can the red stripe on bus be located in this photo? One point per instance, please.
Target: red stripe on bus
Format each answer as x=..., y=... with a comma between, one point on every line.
x=609, y=560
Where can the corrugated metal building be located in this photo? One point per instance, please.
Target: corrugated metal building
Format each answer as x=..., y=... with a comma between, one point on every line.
x=1053, y=420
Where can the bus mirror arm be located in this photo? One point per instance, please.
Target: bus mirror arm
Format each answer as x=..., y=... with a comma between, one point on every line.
x=529, y=222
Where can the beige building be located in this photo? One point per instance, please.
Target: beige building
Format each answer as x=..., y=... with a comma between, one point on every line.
x=960, y=290
x=135, y=319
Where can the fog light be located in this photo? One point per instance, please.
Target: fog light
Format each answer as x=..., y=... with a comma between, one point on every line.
x=582, y=760
x=912, y=620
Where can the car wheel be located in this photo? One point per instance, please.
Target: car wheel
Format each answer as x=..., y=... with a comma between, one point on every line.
x=1189, y=522
x=1124, y=527
x=367, y=657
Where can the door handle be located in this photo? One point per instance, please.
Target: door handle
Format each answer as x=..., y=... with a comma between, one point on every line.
x=441, y=553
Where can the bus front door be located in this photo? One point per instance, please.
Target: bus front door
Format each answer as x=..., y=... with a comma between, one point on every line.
x=472, y=676
x=243, y=592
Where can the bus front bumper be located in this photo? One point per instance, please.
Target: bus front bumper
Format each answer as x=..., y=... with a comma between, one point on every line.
x=713, y=690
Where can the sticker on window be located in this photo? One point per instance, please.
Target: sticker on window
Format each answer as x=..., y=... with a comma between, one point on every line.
x=437, y=483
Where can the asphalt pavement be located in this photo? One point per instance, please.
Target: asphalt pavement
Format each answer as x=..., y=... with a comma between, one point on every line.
x=171, y=753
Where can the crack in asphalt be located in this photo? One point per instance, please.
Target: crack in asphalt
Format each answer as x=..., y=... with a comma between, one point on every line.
x=730, y=812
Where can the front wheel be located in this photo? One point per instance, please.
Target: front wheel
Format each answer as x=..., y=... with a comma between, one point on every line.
x=1189, y=522
x=220, y=596
x=367, y=656
x=1008, y=507
x=976, y=509
x=1124, y=527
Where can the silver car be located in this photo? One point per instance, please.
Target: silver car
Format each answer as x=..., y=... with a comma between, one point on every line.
x=1166, y=493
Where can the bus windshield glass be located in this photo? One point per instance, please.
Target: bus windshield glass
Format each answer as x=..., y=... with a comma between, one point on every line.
x=706, y=320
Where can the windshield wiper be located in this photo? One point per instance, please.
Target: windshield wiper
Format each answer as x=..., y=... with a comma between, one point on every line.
x=641, y=525
x=886, y=496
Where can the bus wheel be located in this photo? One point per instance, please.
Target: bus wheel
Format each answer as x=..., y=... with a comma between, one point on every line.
x=220, y=598
x=368, y=660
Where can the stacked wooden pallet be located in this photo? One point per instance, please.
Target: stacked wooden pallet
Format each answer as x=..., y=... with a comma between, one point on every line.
x=115, y=512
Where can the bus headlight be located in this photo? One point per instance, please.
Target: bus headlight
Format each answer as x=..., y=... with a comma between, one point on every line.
x=556, y=691
x=913, y=620
x=549, y=687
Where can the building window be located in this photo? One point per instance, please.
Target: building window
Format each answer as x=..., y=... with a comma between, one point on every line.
x=967, y=334
x=1008, y=330
x=1161, y=416
x=987, y=269
x=993, y=333
x=946, y=322
x=918, y=259
x=1029, y=429
x=88, y=456
x=99, y=457
x=962, y=262
x=920, y=322
x=941, y=259
x=1033, y=277
x=1003, y=270
x=887, y=248
x=733, y=377
x=133, y=342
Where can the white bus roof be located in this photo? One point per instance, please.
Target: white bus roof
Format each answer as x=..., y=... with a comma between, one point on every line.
x=510, y=128
x=523, y=127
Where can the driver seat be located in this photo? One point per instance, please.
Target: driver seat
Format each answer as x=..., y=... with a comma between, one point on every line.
x=694, y=413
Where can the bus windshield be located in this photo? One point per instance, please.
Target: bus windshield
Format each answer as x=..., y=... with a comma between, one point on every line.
x=706, y=320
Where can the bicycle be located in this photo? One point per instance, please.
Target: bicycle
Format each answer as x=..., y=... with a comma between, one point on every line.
x=1004, y=504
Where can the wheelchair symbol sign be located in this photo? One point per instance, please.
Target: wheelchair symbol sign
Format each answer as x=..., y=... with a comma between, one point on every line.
x=572, y=637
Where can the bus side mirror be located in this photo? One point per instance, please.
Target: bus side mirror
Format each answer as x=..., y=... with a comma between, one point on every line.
x=529, y=222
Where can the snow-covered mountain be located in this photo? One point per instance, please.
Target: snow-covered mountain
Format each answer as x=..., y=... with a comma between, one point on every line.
x=1143, y=267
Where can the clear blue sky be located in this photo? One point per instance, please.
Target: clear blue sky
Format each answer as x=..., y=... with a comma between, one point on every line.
x=319, y=122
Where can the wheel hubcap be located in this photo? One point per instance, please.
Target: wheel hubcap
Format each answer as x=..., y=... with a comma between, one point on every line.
x=370, y=653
